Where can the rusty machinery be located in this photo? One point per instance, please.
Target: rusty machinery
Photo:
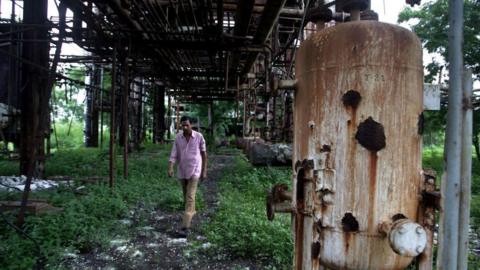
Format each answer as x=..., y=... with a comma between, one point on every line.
x=360, y=198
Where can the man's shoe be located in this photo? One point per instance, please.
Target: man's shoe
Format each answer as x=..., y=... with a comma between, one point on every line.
x=182, y=233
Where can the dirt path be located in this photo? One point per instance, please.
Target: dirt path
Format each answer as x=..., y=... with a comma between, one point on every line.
x=152, y=244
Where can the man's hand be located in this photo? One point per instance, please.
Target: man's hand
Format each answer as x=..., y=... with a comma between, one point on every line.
x=203, y=176
x=170, y=169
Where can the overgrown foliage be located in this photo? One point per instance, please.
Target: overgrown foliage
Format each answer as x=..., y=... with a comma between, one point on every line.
x=68, y=99
x=223, y=118
x=240, y=225
x=430, y=23
x=90, y=215
x=433, y=158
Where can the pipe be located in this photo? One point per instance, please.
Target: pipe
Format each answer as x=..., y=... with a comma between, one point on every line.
x=466, y=171
x=112, y=118
x=448, y=251
x=126, y=87
x=101, y=109
x=355, y=15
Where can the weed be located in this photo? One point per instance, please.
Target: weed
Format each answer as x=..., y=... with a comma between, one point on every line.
x=240, y=226
x=88, y=221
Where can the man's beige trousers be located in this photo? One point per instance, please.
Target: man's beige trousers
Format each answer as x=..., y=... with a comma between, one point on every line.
x=189, y=188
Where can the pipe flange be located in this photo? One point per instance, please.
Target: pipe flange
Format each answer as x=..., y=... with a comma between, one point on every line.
x=407, y=238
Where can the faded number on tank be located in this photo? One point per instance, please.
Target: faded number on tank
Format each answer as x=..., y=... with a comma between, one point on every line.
x=374, y=77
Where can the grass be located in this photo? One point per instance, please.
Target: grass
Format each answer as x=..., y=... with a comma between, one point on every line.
x=89, y=219
x=433, y=158
x=240, y=225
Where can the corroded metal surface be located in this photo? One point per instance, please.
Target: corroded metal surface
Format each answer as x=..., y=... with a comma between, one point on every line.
x=357, y=148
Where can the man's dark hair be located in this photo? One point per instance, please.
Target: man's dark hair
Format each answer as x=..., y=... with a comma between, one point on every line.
x=185, y=118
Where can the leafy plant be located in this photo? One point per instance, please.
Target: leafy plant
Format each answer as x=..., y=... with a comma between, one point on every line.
x=89, y=218
x=240, y=225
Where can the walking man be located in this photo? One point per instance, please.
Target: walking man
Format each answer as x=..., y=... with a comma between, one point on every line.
x=190, y=152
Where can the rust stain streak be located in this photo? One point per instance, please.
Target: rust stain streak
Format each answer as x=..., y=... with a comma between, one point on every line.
x=372, y=190
x=347, y=236
x=299, y=241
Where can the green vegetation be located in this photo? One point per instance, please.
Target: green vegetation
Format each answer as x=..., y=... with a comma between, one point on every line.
x=240, y=225
x=433, y=158
x=430, y=23
x=90, y=215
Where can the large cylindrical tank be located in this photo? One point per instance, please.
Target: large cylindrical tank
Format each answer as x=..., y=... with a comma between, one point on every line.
x=357, y=144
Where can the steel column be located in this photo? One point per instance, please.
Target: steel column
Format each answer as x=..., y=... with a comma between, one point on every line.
x=448, y=241
x=466, y=171
x=112, y=170
x=126, y=93
x=33, y=82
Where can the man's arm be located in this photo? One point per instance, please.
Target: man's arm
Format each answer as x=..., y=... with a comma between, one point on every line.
x=173, y=158
x=204, y=164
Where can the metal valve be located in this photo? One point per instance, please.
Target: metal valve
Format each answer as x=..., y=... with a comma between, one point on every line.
x=279, y=200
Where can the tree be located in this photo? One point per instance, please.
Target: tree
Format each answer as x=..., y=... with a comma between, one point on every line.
x=430, y=23
x=67, y=100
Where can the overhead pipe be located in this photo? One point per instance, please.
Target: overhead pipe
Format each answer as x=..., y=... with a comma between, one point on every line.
x=269, y=17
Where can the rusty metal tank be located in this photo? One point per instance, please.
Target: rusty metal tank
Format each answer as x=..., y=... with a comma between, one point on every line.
x=357, y=147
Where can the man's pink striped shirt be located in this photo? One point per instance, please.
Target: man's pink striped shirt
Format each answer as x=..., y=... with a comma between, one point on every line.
x=187, y=154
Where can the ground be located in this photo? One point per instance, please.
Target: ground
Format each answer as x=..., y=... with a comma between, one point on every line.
x=153, y=244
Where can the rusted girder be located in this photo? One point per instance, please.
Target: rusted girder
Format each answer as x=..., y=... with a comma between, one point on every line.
x=158, y=113
x=113, y=98
x=92, y=112
x=125, y=112
x=87, y=15
x=34, y=84
x=243, y=15
x=269, y=18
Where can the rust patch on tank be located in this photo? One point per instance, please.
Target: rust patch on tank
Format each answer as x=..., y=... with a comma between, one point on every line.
x=308, y=164
x=420, y=124
x=315, y=250
x=299, y=240
x=318, y=227
x=372, y=188
x=351, y=99
x=347, y=236
x=398, y=217
x=326, y=148
x=298, y=164
x=299, y=221
x=349, y=223
x=371, y=135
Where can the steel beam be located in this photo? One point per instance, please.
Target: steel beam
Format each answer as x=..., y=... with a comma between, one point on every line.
x=113, y=98
x=269, y=18
x=242, y=21
x=34, y=84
